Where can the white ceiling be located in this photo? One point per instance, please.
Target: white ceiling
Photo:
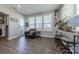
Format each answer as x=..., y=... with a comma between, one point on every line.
x=27, y=9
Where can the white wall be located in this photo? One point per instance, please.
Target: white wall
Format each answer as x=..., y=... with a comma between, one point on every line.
x=13, y=27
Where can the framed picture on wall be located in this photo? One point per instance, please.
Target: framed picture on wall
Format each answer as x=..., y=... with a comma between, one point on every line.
x=14, y=19
x=1, y=19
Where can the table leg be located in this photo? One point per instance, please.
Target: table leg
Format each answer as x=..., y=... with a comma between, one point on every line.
x=74, y=44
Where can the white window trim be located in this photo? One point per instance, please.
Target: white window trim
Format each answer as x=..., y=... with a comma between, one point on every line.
x=42, y=29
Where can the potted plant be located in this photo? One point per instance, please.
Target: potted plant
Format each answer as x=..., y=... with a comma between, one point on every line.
x=60, y=24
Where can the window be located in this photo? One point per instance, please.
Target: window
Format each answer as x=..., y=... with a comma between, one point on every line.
x=41, y=22
x=31, y=22
x=47, y=21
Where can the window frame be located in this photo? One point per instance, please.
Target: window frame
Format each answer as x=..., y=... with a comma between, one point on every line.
x=42, y=28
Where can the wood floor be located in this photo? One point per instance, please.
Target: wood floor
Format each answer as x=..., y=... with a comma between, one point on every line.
x=22, y=45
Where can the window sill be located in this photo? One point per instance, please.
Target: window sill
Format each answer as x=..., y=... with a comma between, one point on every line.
x=45, y=30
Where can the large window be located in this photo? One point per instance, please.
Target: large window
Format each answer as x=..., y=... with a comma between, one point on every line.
x=43, y=22
x=39, y=22
x=32, y=22
x=47, y=21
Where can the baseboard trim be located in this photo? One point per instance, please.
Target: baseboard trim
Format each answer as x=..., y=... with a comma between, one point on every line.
x=47, y=36
x=12, y=37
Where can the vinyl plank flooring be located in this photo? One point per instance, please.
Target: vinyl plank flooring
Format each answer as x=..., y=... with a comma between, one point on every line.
x=22, y=45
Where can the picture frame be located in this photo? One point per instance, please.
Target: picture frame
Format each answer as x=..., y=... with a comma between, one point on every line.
x=1, y=19
x=14, y=19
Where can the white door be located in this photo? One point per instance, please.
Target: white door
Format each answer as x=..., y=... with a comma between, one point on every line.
x=21, y=26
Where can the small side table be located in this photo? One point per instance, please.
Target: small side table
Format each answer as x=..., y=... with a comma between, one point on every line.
x=38, y=34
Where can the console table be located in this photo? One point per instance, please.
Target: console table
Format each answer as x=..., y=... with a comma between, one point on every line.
x=68, y=39
x=71, y=42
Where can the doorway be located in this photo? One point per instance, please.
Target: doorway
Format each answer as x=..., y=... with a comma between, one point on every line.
x=21, y=26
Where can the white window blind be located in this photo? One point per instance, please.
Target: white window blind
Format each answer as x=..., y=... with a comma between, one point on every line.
x=47, y=21
x=32, y=22
x=39, y=22
x=43, y=22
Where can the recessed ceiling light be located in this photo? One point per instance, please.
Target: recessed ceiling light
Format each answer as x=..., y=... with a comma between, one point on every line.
x=19, y=6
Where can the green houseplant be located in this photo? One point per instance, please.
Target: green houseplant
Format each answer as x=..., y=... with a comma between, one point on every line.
x=60, y=24
x=63, y=26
